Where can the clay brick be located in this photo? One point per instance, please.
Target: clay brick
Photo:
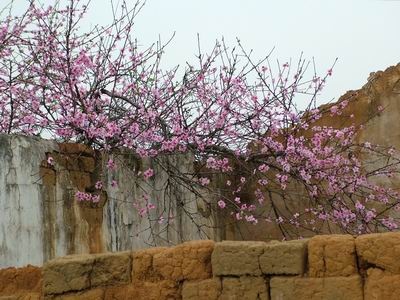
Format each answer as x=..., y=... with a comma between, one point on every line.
x=125, y=292
x=68, y=273
x=94, y=294
x=329, y=288
x=237, y=258
x=79, y=272
x=188, y=261
x=381, y=285
x=331, y=255
x=284, y=257
x=142, y=264
x=161, y=290
x=244, y=288
x=380, y=249
x=209, y=289
x=111, y=269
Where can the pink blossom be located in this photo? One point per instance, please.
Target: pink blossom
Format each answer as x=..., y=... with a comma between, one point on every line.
x=263, y=181
x=98, y=185
x=334, y=109
x=221, y=203
x=111, y=164
x=251, y=219
x=50, y=161
x=148, y=173
x=82, y=196
x=370, y=215
x=204, y=181
x=359, y=206
x=390, y=223
x=263, y=168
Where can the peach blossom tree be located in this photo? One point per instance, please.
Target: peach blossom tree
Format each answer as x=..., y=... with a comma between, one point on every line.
x=237, y=116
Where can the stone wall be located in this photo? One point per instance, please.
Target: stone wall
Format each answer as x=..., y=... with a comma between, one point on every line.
x=40, y=218
x=324, y=267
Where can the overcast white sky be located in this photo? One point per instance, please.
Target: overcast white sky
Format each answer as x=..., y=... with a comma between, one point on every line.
x=363, y=34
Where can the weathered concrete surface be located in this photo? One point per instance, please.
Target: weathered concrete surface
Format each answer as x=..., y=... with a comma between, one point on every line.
x=124, y=229
x=22, y=216
x=40, y=219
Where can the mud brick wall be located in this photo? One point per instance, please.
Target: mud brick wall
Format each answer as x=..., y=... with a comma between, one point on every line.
x=324, y=267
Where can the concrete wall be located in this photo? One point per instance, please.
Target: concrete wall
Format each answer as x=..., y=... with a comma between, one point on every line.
x=337, y=267
x=22, y=221
x=40, y=218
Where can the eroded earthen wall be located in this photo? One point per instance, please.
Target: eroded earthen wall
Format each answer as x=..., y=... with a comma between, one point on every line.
x=376, y=106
